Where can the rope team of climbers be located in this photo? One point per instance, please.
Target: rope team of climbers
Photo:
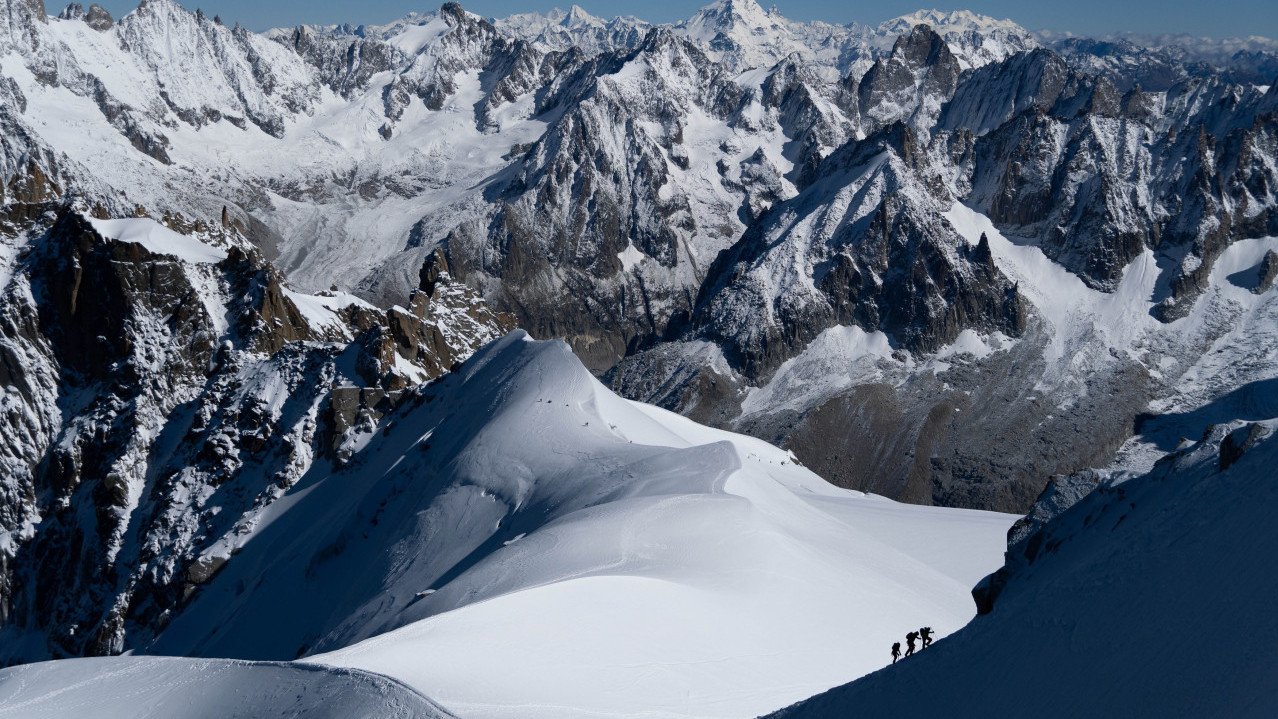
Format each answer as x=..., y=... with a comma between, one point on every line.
x=925, y=634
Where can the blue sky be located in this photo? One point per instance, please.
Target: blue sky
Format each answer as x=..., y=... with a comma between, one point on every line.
x=1221, y=18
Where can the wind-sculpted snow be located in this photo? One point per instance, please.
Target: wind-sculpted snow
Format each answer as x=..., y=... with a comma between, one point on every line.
x=519, y=541
x=942, y=260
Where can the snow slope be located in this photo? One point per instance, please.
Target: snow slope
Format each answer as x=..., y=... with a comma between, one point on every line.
x=522, y=542
x=173, y=688
x=1150, y=597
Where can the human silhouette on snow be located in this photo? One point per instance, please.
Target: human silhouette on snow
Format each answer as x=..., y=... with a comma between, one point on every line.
x=909, y=642
x=896, y=651
x=926, y=634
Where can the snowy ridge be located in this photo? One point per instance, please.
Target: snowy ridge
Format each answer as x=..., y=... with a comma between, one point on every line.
x=940, y=261
x=159, y=239
x=520, y=487
x=360, y=151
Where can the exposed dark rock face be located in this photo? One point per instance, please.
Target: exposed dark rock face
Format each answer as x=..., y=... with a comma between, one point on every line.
x=1267, y=273
x=95, y=17
x=1235, y=444
x=98, y=18
x=1098, y=186
x=346, y=64
x=157, y=404
x=911, y=84
x=593, y=186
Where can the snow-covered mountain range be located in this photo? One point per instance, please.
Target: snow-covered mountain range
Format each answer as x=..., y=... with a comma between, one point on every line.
x=692, y=206
x=941, y=260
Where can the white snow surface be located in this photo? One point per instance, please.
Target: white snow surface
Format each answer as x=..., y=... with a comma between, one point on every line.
x=716, y=579
x=524, y=543
x=178, y=688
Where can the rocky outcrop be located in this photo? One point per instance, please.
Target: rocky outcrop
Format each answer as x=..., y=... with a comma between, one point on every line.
x=95, y=17
x=160, y=399
x=1267, y=272
x=444, y=321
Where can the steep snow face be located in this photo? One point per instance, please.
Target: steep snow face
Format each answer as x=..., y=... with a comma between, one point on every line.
x=173, y=688
x=1146, y=597
x=519, y=541
x=742, y=35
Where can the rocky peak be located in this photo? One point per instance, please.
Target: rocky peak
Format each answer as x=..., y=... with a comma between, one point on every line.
x=578, y=18
x=921, y=47
x=433, y=269
x=867, y=219
x=453, y=14
x=993, y=94
x=911, y=84
x=97, y=16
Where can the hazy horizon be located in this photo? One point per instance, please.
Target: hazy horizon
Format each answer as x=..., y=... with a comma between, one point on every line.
x=1233, y=19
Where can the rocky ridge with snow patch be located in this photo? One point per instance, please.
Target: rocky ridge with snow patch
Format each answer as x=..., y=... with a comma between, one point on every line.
x=164, y=387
